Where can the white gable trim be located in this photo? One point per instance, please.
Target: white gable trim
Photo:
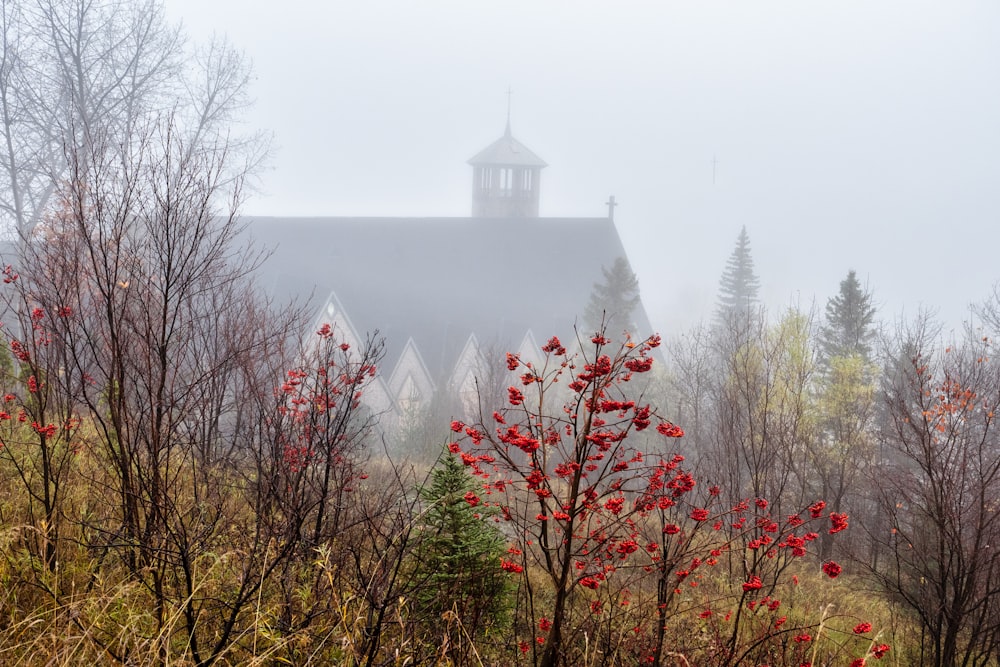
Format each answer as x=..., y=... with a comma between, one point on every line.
x=333, y=313
x=376, y=395
x=410, y=380
x=463, y=380
x=529, y=350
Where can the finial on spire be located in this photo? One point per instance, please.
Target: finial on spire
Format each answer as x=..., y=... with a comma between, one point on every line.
x=507, y=131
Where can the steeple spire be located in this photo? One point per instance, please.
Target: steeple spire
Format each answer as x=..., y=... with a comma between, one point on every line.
x=506, y=133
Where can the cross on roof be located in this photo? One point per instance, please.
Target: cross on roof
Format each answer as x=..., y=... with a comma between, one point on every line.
x=611, y=203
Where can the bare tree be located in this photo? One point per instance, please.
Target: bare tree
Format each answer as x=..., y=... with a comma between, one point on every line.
x=78, y=74
x=761, y=404
x=843, y=447
x=988, y=312
x=938, y=488
x=153, y=311
x=692, y=380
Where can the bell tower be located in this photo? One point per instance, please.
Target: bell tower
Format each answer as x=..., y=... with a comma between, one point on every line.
x=506, y=177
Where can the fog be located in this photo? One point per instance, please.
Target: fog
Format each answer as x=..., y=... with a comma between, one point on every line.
x=853, y=134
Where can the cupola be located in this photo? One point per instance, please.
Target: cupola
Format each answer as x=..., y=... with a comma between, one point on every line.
x=505, y=179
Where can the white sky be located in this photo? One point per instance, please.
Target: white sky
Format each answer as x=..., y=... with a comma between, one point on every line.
x=857, y=134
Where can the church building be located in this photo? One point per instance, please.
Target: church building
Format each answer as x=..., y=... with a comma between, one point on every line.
x=449, y=294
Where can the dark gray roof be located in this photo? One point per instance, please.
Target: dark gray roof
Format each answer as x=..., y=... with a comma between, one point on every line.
x=507, y=152
x=438, y=280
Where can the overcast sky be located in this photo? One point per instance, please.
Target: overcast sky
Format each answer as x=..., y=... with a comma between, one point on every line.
x=857, y=134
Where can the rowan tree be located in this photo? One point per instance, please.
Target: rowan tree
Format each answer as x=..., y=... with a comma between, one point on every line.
x=40, y=426
x=576, y=464
x=311, y=465
x=599, y=519
x=323, y=429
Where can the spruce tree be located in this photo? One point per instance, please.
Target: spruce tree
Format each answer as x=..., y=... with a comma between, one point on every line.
x=739, y=286
x=457, y=562
x=613, y=301
x=850, y=317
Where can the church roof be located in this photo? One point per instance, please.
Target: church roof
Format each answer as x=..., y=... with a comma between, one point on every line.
x=440, y=280
x=507, y=152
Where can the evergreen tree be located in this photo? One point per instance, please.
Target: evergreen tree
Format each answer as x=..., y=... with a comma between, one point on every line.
x=613, y=301
x=739, y=286
x=457, y=562
x=846, y=401
x=849, y=322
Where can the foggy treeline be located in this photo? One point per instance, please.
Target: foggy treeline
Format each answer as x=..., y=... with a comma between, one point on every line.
x=190, y=474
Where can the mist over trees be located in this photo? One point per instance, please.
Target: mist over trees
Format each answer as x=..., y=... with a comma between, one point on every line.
x=190, y=472
x=893, y=430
